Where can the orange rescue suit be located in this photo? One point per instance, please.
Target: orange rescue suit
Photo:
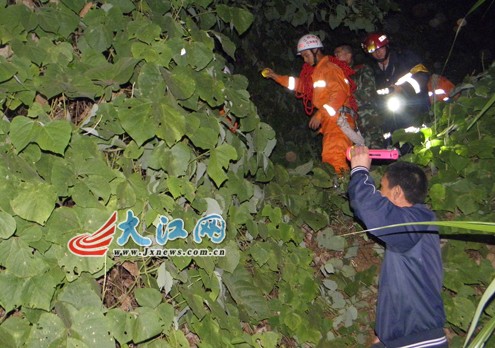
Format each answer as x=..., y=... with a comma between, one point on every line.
x=331, y=91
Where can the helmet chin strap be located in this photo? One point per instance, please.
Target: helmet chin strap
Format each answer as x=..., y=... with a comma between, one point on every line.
x=386, y=56
x=315, y=58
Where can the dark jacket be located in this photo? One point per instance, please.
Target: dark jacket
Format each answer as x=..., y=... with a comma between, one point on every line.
x=410, y=308
x=400, y=63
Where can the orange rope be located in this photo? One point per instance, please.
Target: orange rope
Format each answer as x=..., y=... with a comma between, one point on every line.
x=348, y=71
x=306, y=93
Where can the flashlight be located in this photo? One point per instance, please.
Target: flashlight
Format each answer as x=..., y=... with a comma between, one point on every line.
x=383, y=154
x=394, y=103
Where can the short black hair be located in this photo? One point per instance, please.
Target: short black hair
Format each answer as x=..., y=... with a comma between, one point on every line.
x=346, y=47
x=411, y=178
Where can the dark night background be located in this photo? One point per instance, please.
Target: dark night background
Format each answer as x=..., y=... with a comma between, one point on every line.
x=429, y=28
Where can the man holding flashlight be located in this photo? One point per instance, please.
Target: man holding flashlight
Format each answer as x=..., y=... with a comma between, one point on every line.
x=401, y=81
x=410, y=311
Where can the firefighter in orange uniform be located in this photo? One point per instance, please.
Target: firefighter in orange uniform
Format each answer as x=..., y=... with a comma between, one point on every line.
x=323, y=85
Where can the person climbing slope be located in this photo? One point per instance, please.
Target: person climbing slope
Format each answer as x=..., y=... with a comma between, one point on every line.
x=325, y=85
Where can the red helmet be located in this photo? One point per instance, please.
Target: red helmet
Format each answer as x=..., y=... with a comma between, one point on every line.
x=374, y=41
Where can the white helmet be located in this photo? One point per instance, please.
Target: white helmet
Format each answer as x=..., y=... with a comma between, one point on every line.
x=308, y=42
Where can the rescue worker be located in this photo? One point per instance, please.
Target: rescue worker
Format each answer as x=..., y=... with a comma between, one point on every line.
x=324, y=84
x=400, y=77
x=439, y=88
x=365, y=95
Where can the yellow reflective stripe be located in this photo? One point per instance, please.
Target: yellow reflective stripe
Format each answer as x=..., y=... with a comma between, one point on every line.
x=292, y=83
x=418, y=68
x=331, y=111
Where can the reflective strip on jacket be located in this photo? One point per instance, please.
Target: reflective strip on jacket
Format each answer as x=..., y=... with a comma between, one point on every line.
x=331, y=90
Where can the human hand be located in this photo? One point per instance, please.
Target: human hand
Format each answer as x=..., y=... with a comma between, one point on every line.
x=360, y=157
x=397, y=89
x=269, y=73
x=314, y=122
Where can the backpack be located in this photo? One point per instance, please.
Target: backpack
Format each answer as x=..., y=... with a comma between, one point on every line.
x=439, y=88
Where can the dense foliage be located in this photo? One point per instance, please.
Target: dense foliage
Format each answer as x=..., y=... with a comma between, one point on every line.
x=126, y=106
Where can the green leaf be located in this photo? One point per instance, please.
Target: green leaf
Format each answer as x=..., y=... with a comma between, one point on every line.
x=327, y=239
x=147, y=325
x=14, y=331
x=143, y=30
x=171, y=124
x=150, y=82
x=123, y=69
x=315, y=220
x=224, y=12
x=293, y=321
x=227, y=45
x=97, y=37
x=7, y=225
x=247, y=296
x=274, y=214
x=269, y=339
x=220, y=158
x=259, y=254
x=126, y=196
x=484, y=335
x=198, y=55
x=176, y=338
x=121, y=325
x=210, y=89
x=47, y=332
x=35, y=201
x=461, y=312
x=174, y=161
x=71, y=293
x=468, y=225
x=54, y=136
x=10, y=291
x=92, y=328
x=7, y=70
x=180, y=82
x=232, y=257
x=74, y=265
x=74, y=5
x=22, y=132
x=164, y=279
x=487, y=295
x=467, y=204
x=321, y=178
x=195, y=302
x=483, y=111
x=40, y=289
x=239, y=17
x=148, y=297
x=437, y=195
x=204, y=138
x=136, y=118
